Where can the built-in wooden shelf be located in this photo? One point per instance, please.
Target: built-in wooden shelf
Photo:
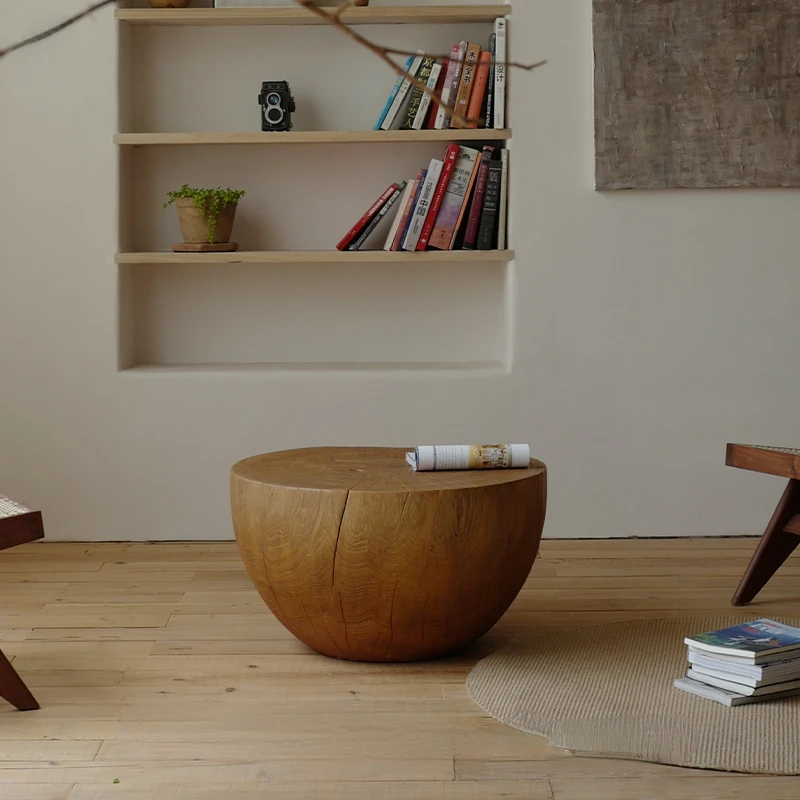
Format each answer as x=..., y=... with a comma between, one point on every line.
x=295, y=15
x=478, y=368
x=312, y=137
x=318, y=257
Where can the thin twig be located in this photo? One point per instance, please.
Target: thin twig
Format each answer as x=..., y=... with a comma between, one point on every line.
x=56, y=28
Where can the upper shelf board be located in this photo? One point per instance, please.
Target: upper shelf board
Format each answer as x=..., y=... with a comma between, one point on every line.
x=295, y=15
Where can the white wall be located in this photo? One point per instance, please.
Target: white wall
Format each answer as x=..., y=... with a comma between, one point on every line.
x=648, y=328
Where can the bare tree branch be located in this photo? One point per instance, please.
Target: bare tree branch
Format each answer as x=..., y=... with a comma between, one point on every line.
x=333, y=18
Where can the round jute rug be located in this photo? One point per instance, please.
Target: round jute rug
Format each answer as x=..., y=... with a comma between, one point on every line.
x=607, y=690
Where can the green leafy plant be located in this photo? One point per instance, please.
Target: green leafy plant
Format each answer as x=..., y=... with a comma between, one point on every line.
x=211, y=202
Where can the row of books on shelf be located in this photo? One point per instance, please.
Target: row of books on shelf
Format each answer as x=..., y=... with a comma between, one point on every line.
x=458, y=202
x=472, y=82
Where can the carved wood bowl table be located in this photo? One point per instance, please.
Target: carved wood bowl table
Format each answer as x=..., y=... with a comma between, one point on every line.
x=362, y=558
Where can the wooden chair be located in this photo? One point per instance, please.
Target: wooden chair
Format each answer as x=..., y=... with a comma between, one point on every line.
x=782, y=535
x=18, y=525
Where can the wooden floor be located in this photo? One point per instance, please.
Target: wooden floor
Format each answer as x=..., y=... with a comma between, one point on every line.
x=162, y=676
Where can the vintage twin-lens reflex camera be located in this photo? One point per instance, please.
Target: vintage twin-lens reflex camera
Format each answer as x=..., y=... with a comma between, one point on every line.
x=277, y=106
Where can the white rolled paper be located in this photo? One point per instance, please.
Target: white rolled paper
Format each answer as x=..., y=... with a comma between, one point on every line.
x=435, y=458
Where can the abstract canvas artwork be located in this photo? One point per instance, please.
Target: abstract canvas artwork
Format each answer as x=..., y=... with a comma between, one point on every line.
x=696, y=93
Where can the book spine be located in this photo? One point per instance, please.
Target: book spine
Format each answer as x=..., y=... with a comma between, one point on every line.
x=423, y=207
x=501, y=55
x=461, y=105
x=502, y=223
x=377, y=219
x=401, y=206
x=401, y=228
x=479, y=90
x=354, y=232
x=395, y=89
x=451, y=85
x=425, y=100
x=430, y=122
x=401, y=95
x=488, y=112
x=471, y=236
x=417, y=93
x=447, y=170
x=413, y=207
x=490, y=206
x=455, y=198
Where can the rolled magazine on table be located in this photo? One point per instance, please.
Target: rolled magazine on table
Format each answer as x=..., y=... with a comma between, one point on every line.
x=434, y=458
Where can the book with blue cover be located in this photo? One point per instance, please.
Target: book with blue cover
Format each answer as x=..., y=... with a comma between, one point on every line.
x=752, y=641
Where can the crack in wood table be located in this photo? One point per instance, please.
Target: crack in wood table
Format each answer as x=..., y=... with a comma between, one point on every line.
x=18, y=525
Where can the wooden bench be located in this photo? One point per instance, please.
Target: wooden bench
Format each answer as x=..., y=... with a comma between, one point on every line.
x=782, y=535
x=18, y=525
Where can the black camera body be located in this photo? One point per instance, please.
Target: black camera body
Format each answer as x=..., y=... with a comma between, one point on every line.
x=277, y=106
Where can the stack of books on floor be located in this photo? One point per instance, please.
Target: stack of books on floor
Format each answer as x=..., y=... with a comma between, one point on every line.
x=472, y=82
x=747, y=663
x=457, y=202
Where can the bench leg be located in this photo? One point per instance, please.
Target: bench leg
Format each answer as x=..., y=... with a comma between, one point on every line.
x=776, y=545
x=13, y=689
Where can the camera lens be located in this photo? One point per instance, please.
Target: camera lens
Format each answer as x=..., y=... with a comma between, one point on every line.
x=274, y=115
x=273, y=99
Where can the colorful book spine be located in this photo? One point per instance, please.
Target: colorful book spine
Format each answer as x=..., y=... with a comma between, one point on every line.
x=461, y=105
x=450, y=158
x=395, y=89
x=488, y=110
x=401, y=229
x=491, y=203
x=479, y=90
x=402, y=94
x=502, y=222
x=377, y=219
x=423, y=207
x=356, y=230
x=451, y=85
x=455, y=198
x=417, y=93
x=430, y=122
x=423, y=173
x=476, y=207
x=425, y=100
x=500, y=58
x=401, y=206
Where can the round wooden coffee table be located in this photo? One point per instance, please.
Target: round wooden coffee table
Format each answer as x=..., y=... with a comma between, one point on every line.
x=362, y=558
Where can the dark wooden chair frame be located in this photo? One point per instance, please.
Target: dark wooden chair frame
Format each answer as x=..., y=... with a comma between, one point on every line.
x=19, y=528
x=782, y=535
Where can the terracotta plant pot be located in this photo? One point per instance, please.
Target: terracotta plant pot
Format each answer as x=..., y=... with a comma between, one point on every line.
x=169, y=3
x=193, y=226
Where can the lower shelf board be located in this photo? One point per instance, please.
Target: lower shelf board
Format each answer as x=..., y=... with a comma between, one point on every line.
x=318, y=257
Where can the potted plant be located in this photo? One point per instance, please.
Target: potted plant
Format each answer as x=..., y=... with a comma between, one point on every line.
x=205, y=215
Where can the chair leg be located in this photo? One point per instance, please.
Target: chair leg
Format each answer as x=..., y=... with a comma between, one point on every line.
x=13, y=689
x=775, y=547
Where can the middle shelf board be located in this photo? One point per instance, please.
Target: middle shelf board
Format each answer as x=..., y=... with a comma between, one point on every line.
x=319, y=257
x=313, y=137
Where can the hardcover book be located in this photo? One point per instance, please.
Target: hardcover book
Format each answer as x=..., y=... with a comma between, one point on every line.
x=425, y=102
x=401, y=206
x=502, y=222
x=402, y=94
x=491, y=204
x=430, y=122
x=406, y=210
x=501, y=55
x=357, y=229
x=451, y=84
x=488, y=106
x=395, y=89
x=455, y=198
x=377, y=219
x=461, y=105
x=450, y=158
x=417, y=93
x=479, y=91
x=476, y=205
x=420, y=213
x=420, y=183
x=751, y=641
